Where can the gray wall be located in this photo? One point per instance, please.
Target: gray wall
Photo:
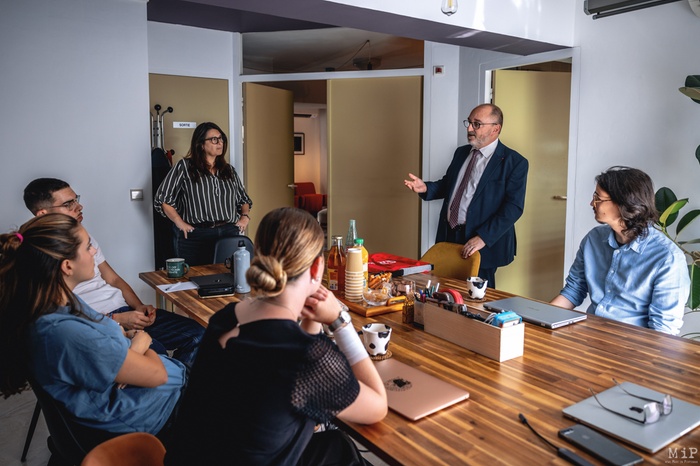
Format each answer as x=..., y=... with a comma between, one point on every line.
x=74, y=105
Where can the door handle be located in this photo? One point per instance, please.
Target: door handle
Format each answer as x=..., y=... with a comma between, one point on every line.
x=559, y=198
x=292, y=186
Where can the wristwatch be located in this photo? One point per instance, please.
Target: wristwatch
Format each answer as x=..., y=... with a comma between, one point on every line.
x=342, y=320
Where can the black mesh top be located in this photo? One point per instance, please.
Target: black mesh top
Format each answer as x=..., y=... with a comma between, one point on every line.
x=257, y=400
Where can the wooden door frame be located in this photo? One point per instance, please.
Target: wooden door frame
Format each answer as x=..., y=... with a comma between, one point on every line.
x=574, y=54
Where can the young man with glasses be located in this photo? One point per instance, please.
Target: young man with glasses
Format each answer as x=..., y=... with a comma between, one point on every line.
x=107, y=292
x=483, y=192
x=631, y=271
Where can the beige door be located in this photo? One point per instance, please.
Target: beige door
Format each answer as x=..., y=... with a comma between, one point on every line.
x=374, y=138
x=268, y=149
x=193, y=100
x=536, y=123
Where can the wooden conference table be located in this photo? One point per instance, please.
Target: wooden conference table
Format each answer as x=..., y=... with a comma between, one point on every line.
x=556, y=370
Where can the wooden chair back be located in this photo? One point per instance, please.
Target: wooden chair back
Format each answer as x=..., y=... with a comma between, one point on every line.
x=448, y=261
x=134, y=449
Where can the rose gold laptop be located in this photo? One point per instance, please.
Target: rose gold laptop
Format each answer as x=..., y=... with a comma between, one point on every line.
x=413, y=393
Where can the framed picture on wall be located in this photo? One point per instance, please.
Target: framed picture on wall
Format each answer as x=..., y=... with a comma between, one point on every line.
x=298, y=143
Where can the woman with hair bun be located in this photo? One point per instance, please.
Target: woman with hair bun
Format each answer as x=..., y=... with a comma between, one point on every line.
x=83, y=360
x=266, y=374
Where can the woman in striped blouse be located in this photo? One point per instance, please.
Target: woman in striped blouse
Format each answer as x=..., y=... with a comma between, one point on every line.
x=204, y=197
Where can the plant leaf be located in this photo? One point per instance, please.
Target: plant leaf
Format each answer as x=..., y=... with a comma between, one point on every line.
x=694, y=297
x=692, y=87
x=692, y=80
x=692, y=92
x=686, y=220
x=669, y=215
x=663, y=198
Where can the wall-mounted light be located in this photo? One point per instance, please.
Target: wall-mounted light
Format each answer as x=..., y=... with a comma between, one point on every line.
x=449, y=7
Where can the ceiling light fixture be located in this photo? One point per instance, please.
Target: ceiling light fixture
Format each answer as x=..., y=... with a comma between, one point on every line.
x=449, y=7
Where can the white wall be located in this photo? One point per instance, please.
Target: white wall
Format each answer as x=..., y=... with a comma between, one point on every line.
x=307, y=167
x=73, y=105
x=630, y=110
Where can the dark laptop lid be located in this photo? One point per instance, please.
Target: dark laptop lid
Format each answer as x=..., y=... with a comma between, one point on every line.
x=535, y=312
x=216, y=280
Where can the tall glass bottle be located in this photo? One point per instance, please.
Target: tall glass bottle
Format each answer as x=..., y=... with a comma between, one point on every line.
x=336, y=264
x=351, y=236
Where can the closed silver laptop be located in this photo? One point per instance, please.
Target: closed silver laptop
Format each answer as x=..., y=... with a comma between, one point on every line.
x=648, y=437
x=535, y=312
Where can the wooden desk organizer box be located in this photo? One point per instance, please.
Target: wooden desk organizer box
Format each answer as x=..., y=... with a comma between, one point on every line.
x=496, y=343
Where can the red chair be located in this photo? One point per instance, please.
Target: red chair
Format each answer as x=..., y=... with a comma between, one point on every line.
x=305, y=197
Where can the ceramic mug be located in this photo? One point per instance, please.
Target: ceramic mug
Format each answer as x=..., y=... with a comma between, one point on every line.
x=176, y=267
x=476, y=287
x=376, y=338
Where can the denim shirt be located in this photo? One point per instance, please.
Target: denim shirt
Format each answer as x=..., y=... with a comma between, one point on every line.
x=76, y=359
x=643, y=283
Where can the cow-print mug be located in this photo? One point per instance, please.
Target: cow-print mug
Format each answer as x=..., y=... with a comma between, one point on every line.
x=476, y=287
x=376, y=338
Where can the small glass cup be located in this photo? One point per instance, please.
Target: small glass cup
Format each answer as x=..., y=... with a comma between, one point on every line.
x=406, y=288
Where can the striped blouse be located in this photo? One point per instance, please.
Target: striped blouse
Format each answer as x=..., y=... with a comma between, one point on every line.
x=210, y=199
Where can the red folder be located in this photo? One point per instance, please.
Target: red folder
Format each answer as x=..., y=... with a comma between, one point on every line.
x=398, y=266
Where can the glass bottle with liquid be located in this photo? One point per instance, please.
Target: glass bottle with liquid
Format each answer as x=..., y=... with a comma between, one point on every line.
x=336, y=265
x=351, y=236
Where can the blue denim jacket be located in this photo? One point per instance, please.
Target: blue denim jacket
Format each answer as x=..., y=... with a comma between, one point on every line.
x=642, y=283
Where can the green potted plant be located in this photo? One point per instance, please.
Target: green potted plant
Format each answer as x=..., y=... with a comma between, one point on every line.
x=669, y=207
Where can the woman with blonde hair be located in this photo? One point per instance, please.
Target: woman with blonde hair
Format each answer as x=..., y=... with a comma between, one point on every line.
x=83, y=360
x=266, y=374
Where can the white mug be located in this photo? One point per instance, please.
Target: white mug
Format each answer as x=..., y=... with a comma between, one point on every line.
x=476, y=287
x=376, y=338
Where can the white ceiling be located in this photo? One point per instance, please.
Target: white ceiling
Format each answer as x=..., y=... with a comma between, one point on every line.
x=283, y=36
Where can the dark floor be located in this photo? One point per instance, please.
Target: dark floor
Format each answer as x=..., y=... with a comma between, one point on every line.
x=15, y=415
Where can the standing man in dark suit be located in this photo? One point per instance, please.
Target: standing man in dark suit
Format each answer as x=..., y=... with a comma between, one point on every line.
x=483, y=192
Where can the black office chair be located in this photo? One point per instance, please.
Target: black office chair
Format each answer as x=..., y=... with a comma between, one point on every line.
x=225, y=248
x=30, y=432
x=69, y=441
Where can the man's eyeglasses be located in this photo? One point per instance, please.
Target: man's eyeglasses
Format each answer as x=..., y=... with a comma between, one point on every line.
x=216, y=140
x=597, y=200
x=68, y=205
x=651, y=412
x=475, y=124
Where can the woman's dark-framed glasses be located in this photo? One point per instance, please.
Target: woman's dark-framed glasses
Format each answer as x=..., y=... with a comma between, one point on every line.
x=215, y=140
